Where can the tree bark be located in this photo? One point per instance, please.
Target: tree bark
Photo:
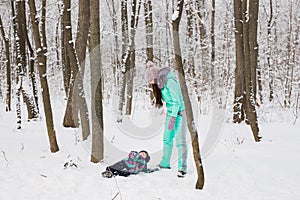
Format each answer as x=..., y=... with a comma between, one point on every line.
x=213, y=53
x=249, y=92
x=238, y=107
x=187, y=102
x=149, y=29
x=124, y=61
x=81, y=46
x=269, y=55
x=96, y=84
x=41, y=50
x=71, y=113
x=8, y=67
x=131, y=55
x=253, y=45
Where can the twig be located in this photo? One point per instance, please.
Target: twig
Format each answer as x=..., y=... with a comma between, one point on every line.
x=5, y=158
x=118, y=190
x=22, y=148
x=297, y=103
x=42, y=175
x=115, y=196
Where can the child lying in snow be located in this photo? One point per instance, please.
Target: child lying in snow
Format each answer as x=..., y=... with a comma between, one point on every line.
x=135, y=163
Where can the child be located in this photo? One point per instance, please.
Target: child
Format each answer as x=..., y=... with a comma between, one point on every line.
x=135, y=163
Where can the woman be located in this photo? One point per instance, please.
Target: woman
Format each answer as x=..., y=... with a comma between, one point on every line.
x=166, y=87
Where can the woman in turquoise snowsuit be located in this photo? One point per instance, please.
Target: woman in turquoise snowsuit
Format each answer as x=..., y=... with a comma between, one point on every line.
x=175, y=126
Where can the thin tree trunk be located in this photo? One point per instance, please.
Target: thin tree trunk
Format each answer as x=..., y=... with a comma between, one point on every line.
x=32, y=75
x=213, y=53
x=253, y=20
x=238, y=107
x=71, y=113
x=149, y=29
x=131, y=56
x=22, y=58
x=190, y=39
x=269, y=55
x=96, y=83
x=41, y=50
x=64, y=50
x=187, y=102
x=249, y=93
x=8, y=67
x=81, y=46
x=288, y=77
x=124, y=61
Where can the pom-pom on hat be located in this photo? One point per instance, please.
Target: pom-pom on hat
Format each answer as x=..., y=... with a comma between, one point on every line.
x=151, y=72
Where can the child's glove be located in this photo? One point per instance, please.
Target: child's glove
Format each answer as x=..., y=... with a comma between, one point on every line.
x=171, y=123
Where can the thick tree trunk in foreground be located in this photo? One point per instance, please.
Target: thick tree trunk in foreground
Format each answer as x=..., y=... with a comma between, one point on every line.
x=187, y=102
x=96, y=84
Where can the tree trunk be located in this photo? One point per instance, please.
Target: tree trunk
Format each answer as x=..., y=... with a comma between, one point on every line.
x=149, y=29
x=253, y=19
x=238, y=107
x=213, y=53
x=249, y=92
x=71, y=113
x=32, y=75
x=187, y=102
x=96, y=81
x=41, y=50
x=288, y=82
x=22, y=33
x=64, y=50
x=8, y=71
x=81, y=46
x=131, y=55
x=269, y=55
x=124, y=61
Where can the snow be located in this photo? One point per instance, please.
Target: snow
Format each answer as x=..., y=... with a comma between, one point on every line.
x=175, y=15
x=236, y=168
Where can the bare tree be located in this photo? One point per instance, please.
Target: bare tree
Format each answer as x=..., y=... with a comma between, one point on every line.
x=71, y=113
x=96, y=84
x=191, y=123
x=124, y=65
x=149, y=29
x=20, y=35
x=130, y=59
x=249, y=89
x=80, y=47
x=39, y=35
x=253, y=45
x=238, y=107
x=8, y=67
x=213, y=45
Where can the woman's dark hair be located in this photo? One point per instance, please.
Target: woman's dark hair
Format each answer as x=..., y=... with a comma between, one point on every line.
x=157, y=95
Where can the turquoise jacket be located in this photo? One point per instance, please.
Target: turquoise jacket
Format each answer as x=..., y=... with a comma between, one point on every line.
x=170, y=91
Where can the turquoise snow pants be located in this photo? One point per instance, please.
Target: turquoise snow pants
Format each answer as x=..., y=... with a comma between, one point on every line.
x=179, y=133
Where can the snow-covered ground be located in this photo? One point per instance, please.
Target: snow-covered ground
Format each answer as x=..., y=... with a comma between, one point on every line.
x=236, y=168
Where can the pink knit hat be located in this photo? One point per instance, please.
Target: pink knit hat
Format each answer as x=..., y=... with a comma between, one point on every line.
x=151, y=72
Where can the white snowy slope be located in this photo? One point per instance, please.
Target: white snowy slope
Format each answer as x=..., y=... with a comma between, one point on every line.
x=237, y=167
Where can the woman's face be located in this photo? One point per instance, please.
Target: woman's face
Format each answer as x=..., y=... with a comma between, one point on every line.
x=151, y=82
